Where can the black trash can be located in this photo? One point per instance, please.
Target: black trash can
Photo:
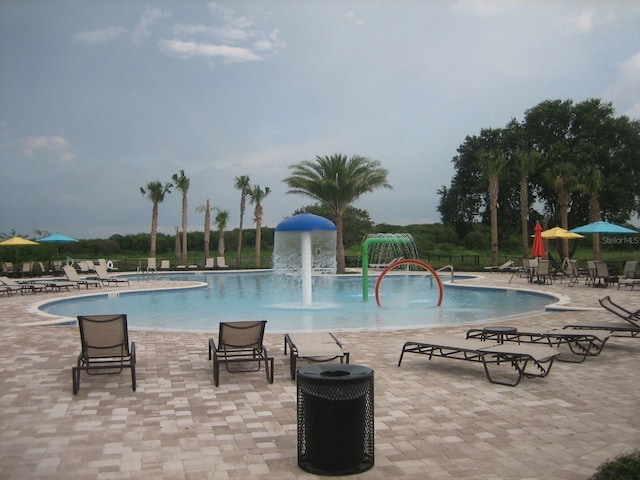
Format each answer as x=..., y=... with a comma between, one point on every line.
x=335, y=419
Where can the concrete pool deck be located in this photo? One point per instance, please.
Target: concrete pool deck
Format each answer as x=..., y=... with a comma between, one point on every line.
x=434, y=419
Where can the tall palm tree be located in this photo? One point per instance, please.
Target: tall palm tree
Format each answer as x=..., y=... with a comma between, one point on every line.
x=243, y=184
x=525, y=163
x=336, y=182
x=155, y=191
x=256, y=195
x=494, y=163
x=592, y=183
x=222, y=217
x=563, y=179
x=207, y=226
x=182, y=184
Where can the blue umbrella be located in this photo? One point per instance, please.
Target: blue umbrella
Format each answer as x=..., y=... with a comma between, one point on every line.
x=603, y=227
x=57, y=238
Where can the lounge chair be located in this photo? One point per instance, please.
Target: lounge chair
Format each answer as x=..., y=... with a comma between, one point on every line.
x=222, y=263
x=151, y=265
x=105, y=347
x=581, y=343
x=629, y=278
x=73, y=276
x=108, y=266
x=573, y=272
x=507, y=266
x=630, y=326
x=315, y=347
x=517, y=356
x=27, y=269
x=209, y=263
x=84, y=266
x=7, y=268
x=10, y=286
x=165, y=265
x=107, y=279
x=240, y=342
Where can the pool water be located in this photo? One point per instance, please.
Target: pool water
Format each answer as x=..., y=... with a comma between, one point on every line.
x=408, y=301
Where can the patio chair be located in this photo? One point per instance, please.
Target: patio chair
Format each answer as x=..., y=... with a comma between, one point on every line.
x=629, y=278
x=516, y=356
x=630, y=326
x=165, y=265
x=313, y=346
x=240, y=343
x=209, y=263
x=73, y=276
x=543, y=272
x=573, y=272
x=105, y=347
x=603, y=276
x=107, y=279
x=581, y=343
x=151, y=265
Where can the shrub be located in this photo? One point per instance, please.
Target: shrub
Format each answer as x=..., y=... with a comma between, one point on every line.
x=623, y=467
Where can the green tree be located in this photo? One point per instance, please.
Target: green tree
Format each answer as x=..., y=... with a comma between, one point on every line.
x=182, y=183
x=155, y=191
x=243, y=184
x=222, y=217
x=256, y=195
x=336, y=182
x=206, y=209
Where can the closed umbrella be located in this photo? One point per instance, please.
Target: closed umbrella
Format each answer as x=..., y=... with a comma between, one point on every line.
x=537, y=250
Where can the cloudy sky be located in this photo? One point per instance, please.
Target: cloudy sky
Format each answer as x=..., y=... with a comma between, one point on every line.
x=98, y=98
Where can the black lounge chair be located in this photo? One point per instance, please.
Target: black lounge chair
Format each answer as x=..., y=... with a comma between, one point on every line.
x=488, y=353
x=581, y=343
x=240, y=342
x=105, y=347
x=315, y=347
x=629, y=327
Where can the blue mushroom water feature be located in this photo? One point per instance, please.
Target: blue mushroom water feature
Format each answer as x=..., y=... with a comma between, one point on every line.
x=305, y=245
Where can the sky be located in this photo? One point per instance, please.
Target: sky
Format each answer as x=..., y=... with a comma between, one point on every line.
x=99, y=98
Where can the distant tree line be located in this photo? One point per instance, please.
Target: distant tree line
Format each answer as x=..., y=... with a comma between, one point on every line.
x=565, y=164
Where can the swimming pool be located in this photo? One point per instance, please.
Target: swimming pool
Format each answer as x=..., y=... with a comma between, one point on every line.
x=408, y=301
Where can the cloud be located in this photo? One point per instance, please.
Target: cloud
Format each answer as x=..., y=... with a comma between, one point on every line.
x=149, y=17
x=57, y=145
x=270, y=43
x=625, y=91
x=184, y=49
x=587, y=21
x=94, y=37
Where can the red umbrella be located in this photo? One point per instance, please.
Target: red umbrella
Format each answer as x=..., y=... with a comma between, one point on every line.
x=537, y=250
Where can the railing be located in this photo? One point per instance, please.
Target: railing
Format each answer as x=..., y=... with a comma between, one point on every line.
x=445, y=268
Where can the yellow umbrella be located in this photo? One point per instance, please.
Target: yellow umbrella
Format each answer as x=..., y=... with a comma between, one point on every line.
x=558, y=232
x=17, y=242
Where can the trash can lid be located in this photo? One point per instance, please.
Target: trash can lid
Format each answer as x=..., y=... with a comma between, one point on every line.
x=334, y=373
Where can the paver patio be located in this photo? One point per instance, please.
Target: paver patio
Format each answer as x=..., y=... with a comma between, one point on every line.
x=435, y=419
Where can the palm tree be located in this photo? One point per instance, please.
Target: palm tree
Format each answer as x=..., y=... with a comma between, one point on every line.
x=525, y=162
x=182, y=184
x=592, y=183
x=494, y=163
x=207, y=226
x=256, y=195
x=155, y=192
x=563, y=179
x=336, y=182
x=222, y=217
x=241, y=183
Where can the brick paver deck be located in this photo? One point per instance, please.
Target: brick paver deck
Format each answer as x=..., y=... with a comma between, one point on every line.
x=435, y=419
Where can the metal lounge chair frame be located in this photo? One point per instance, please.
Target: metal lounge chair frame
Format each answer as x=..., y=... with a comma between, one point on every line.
x=240, y=342
x=628, y=278
x=581, y=343
x=629, y=327
x=488, y=353
x=105, y=347
x=313, y=346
